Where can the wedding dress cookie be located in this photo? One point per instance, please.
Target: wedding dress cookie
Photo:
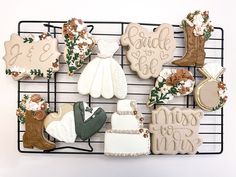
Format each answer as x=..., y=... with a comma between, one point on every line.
x=103, y=76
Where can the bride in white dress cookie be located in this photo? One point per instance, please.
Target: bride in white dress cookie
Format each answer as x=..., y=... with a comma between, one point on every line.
x=103, y=76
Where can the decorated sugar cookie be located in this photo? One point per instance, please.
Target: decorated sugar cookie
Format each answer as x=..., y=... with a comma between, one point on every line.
x=148, y=51
x=32, y=112
x=75, y=120
x=171, y=83
x=88, y=120
x=197, y=30
x=31, y=56
x=103, y=76
x=175, y=131
x=79, y=44
x=61, y=125
x=210, y=93
x=127, y=136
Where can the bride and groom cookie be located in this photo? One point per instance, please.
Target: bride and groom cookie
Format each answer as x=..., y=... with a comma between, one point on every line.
x=71, y=121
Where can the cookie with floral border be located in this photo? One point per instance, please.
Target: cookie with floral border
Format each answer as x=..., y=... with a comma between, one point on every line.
x=175, y=130
x=32, y=112
x=79, y=44
x=197, y=30
x=171, y=83
x=31, y=56
x=148, y=51
x=210, y=93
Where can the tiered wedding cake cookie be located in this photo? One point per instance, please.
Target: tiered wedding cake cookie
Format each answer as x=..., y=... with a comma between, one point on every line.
x=127, y=136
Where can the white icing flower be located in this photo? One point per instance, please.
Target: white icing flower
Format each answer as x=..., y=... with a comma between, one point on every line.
x=80, y=27
x=89, y=41
x=177, y=94
x=165, y=73
x=160, y=79
x=15, y=68
x=198, y=20
x=36, y=38
x=198, y=30
x=170, y=96
x=222, y=93
x=164, y=89
x=33, y=106
x=76, y=49
x=188, y=83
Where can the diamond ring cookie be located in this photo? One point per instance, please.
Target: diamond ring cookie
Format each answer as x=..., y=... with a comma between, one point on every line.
x=32, y=112
x=210, y=93
x=148, y=51
x=31, y=56
x=103, y=76
x=127, y=136
x=175, y=131
x=79, y=44
x=197, y=30
x=171, y=83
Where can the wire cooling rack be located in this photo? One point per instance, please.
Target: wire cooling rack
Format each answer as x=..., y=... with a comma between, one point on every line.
x=63, y=88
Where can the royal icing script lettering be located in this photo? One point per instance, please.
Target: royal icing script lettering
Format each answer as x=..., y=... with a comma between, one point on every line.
x=148, y=51
x=16, y=53
x=38, y=55
x=175, y=131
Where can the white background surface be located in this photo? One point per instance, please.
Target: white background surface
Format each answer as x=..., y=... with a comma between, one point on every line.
x=14, y=164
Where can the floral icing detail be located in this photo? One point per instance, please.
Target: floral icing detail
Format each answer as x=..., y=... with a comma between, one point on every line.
x=222, y=94
x=16, y=70
x=201, y=23
x=43, y=36
x=34, y=103
x=79, y=43
x=170, y=83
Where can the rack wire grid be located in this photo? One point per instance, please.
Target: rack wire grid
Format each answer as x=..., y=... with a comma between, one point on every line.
x=63, y=88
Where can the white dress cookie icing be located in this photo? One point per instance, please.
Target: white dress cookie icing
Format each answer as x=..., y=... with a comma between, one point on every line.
x=61, y=125
x=127, y=136
x=103, y=76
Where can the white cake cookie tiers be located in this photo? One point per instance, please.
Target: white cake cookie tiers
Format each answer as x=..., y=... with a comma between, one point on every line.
x=127, y=136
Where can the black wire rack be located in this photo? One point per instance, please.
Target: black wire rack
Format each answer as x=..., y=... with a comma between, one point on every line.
x=63, y=88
